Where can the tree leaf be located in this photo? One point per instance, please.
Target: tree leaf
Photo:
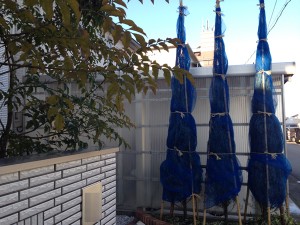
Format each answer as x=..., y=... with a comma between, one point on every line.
x=140, y=39
x=47, y=7
x=52, y=112
x=120, y=2
x=52, y=100
x=30, y=3
x=138, y=29
x=117, y=33
x=65, y=12
x=75, y=7
x=165, y=47
x=167, y=75
x=59, y=122
x=126, y=39
x=128, y=22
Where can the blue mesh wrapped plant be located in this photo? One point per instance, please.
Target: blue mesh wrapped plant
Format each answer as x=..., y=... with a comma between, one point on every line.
x=268, y=167
x=181, y=172
x=223, y=174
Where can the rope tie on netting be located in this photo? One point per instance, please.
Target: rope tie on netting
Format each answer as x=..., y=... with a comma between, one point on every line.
x=218, y=155
x=220, y=75
x=273, y=155
x=218, y=3
x=218, y=114
x=182, y=114
x=214, y=154
x=179, y=152
x=220, y=36
x=265, y=113
x=268, y=72
x=261, y=5
x=263, y=39
x=180, y=44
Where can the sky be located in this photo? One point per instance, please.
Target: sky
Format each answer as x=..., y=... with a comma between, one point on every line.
x=241, y=20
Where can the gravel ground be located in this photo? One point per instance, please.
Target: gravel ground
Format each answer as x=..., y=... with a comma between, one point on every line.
x=124, y=220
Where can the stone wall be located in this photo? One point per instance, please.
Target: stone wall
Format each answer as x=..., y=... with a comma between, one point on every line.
x=50, y=191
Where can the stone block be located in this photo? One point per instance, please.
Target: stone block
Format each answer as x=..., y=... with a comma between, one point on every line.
x=34, y=220
x=74, y=170
x=44, y=178
x=66, y=197
x=36, y=190
x=110, y=198
x=52, y=212
x=36, y=172
x=10, y=177
x=108, y=168
x=67, y=165
x=108, y=218
x=95, y=179
x=71, y=203
x=44, y=197
x=67, y=180
x=108, y=205
x=71, y=219
x=95, y=165
x=13, y=187
x=9, y=219
x=110, y=173
x=91, y=159
x=108, y=156
x=110, y=185
x=74, y=186
x=66, y=214
x=8, y=199
x=108, y=192
x=37, y=210
x=90, y=173
x=13, y=208
x=108, y=180
x=110, y=161
x=49, y=221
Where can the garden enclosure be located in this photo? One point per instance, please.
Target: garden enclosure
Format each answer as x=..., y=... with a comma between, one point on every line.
x=138, y=183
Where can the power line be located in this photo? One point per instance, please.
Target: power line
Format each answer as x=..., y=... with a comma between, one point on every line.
x=280, y=14
x=273, y=11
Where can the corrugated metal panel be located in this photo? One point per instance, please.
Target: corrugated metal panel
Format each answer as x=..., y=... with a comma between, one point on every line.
x=138, y=170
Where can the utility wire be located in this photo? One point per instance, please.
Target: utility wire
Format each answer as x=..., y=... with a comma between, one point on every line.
x=276, y=20
x=280, y=14
x=273, y=12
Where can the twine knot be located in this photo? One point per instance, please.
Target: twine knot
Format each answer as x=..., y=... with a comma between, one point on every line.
x=273, y=155
x=214, y=154
x=266, y=113
x=218, y=114
x=221, y=75
x=268, y=72
x=178, y=152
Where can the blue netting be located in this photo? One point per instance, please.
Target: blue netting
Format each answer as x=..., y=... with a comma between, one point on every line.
x=223, y=174
x=268, y=168
x=181, y=172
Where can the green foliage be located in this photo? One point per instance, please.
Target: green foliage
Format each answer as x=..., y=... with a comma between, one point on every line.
x=58, y=44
